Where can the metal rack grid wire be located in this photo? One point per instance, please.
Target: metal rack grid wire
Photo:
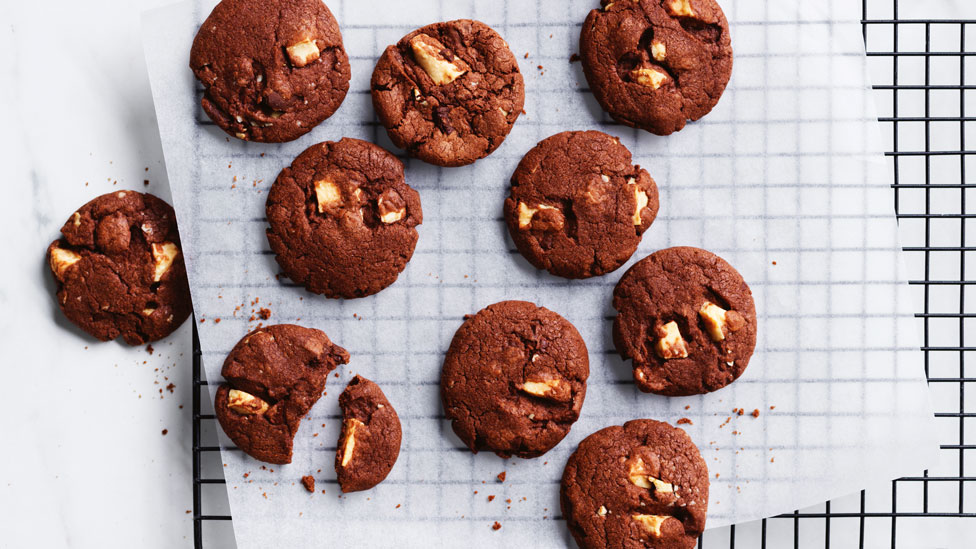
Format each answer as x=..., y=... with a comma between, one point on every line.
x=888, y=515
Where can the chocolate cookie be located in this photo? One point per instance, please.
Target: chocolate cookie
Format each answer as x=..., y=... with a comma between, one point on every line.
x=687, y=320
x=655, y=64
x=641, y=485
x=578, y=207
x=449, y=92
x=271, y=69
x=119, y=268
x=275, y=375
x=514, y=379
x=343, y=221
x=370, y=440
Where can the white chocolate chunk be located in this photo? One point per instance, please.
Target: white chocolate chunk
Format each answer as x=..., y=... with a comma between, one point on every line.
x=670, y=344
x=651, y=523
x=163, y=256
x=302, y=53
x=651, y=78
x=327, y=195
x=641, y=198
x=525, y=213
x=427, y=51
x=349, y=445
x=245, y=403
x=658, y=50
x=388, y=213
x=61, y=259
x=680, y=8
x=714, y=318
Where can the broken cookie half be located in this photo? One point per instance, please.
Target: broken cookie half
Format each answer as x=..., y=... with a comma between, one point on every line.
x=369, y=443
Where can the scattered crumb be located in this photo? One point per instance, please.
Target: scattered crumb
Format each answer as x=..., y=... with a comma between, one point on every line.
x=165, y=431
x=398, y=506
x=145, y=182
x=188, y=511
x=540, y=67
x=738, y=411
x=774, y=262
x=716, y=475
x=265, y=314
x=772, y=459
x=308, y=481
x=501, y=476
x=574, y=58
x=755, y=413
x=149, y=349
x=772, y=407
x=170, y=387
x=216, y=321
x=491, y=498
x=685, y=421
x=496, y=526
x=526, y=55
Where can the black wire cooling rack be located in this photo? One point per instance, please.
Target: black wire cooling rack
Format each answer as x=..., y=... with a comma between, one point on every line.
x=924, y=117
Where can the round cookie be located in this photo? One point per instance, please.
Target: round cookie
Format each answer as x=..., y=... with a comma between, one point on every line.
x=687, y=320
x=343, y=221
x=119, y=268
x=448, y=93
x=644, y=484
x=655, y=64
x=271, y=69
x=370, y=439
x=578, y=207
x=275, y=375
x=514, y=379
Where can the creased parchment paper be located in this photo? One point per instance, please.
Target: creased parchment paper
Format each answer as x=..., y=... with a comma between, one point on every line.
x=784, y=179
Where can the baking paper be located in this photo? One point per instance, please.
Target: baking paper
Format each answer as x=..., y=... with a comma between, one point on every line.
x=785, y=179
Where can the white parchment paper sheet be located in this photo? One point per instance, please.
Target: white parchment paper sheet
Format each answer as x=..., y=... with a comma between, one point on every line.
x=784, y=179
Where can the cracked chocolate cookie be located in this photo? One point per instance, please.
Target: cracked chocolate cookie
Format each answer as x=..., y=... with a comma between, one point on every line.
x=644, y=484
x=514, y=379
x=448, y=93
x=687, y=320
x=578, y=207
x=342, y=219
x=370, y=439
x=271, y=69
x=119, y=268
x=655, y=64
x=275, y=375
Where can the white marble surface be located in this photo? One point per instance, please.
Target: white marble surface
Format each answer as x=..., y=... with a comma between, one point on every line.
x=84, y=463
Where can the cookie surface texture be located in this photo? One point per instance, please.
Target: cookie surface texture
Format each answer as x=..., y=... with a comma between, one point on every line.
x=656, y=64
x=643, y=484
x=275, y=374
x=271, y=69
x=119, y=268
x=686, y=319
x=448, y=93
x=577, y=206
x=514, y=379
x=342, y=219
x=370, y=439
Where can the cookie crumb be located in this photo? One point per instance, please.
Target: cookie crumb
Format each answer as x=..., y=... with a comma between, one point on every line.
x=265, y=314
x=145, y=182
x=491, y=498
x=526, y=55
x=685, y=421
x=149, y=349
x=501, y=476
x=574, y=58
x=496, y=526
x=308, y=481
x=165, y=431
x=170, y=387
x=755, y=413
